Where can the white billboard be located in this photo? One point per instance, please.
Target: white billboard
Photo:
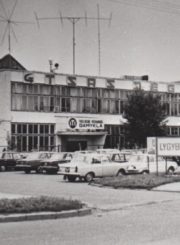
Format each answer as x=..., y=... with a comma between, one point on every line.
x=151, y=145
x=168, y=146
x=85, y=123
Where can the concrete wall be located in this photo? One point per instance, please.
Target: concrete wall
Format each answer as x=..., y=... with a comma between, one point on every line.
x=5, y=108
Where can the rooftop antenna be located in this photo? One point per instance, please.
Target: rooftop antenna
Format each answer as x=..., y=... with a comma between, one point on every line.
x=74, y=21
x=9, y=23
x=99, y=19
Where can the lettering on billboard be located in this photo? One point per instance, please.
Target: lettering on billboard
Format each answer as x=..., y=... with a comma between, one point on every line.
x=71, y=81
x=154, y=87
x=171, y=88
x=110, y=83
x=91, y=82
x=96, y=124
x=28, y=77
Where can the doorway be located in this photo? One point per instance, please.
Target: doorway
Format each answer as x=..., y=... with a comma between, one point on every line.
x=76, y=146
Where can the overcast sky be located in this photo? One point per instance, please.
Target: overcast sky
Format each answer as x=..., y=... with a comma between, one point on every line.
x=143, y=38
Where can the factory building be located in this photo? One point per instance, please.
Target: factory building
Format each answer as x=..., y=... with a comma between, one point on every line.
x=65, y=112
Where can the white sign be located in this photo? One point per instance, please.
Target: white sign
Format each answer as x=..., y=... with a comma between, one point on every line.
x=168, y=146
x=151, y=145
x=88, y=124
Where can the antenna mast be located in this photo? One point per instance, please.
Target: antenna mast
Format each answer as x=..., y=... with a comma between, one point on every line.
x=74, y=21
x=7, y=19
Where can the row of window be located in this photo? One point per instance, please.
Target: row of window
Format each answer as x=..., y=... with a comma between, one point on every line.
x=51, y=98
x=29, y=137
x=20, y=102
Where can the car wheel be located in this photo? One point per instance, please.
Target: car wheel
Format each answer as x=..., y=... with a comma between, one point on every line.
x=89, y=177
x=27, y=171
x=121, y=172
x=145, y=172
x=38, y=170
x=71, y=178
x=2, y=168
x=170, y=170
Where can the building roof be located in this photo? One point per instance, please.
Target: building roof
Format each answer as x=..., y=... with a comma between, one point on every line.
x=10, y=63
x=172, y=121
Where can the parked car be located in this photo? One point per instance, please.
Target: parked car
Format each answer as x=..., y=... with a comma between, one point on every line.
x=9, y=160
x=33, y=161
x=115, y=154
x=89, y=166
x=50, y=165
x=149, y=161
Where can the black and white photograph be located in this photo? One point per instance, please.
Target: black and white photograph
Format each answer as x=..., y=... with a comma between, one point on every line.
x=89, y=122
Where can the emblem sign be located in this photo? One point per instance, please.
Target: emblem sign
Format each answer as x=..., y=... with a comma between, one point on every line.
x=72, y=123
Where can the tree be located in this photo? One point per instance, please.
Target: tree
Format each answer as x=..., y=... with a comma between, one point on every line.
x=144, y=113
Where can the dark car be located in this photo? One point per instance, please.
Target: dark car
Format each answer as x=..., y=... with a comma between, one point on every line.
x=9, y=160
x=33, y=161
x=50, y=166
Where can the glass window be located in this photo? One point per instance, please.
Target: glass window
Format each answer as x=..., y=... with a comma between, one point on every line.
x=24, y=128
x=30, y=131
x=74, y=91
x=174, y=131
x=35, y=129
x=41, y=129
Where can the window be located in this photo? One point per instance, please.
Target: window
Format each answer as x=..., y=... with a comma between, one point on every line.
x=174, y=131
x=29, y=137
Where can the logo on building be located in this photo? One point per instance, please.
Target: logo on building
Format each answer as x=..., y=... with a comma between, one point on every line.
x=72, y=123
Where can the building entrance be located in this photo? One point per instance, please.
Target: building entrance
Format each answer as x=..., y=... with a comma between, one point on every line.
x=76, y=146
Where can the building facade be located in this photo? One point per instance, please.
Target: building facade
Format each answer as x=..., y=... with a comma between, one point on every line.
x=64, y=112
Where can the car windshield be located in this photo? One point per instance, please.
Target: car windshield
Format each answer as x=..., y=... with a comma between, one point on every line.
x=37, y=155
x=17, y=156
x=137, y=158
x=57, y=156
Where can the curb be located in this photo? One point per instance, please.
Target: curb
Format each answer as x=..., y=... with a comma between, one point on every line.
x=44, y=215
x=110, y=208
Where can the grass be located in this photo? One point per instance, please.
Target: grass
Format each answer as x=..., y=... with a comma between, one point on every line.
x=147, y=181
x=37, y=204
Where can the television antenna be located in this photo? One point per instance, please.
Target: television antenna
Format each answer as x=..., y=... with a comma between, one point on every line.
x=74, y=21
x=7, y=18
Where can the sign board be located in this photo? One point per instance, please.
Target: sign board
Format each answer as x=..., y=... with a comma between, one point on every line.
x=151, y=145
x=85, y=123
x=168, y=146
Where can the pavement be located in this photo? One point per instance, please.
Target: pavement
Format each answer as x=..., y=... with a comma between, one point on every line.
x=172, y=187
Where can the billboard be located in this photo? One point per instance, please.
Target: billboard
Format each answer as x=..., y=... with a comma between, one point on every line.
x=166, y=146
x=85, y=123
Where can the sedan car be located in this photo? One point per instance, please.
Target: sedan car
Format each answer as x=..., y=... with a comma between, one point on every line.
x=33, y=161
x=9, y=160
x=50, y=165
x=149, y=160
x=89, y=166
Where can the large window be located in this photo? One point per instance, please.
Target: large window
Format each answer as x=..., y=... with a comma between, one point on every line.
x=30, y=137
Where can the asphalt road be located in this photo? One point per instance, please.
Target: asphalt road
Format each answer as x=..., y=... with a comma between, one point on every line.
x=141, y=217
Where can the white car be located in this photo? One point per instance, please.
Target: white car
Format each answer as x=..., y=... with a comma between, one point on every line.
x=149, y=161
x=89, y=166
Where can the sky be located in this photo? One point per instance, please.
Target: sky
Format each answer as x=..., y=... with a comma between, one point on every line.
x=143, y=37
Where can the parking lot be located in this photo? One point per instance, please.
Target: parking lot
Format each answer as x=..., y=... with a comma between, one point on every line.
x=16, y=182
x=147, y=217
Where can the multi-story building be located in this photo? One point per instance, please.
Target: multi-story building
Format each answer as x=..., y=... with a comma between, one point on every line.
x=65, y=112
